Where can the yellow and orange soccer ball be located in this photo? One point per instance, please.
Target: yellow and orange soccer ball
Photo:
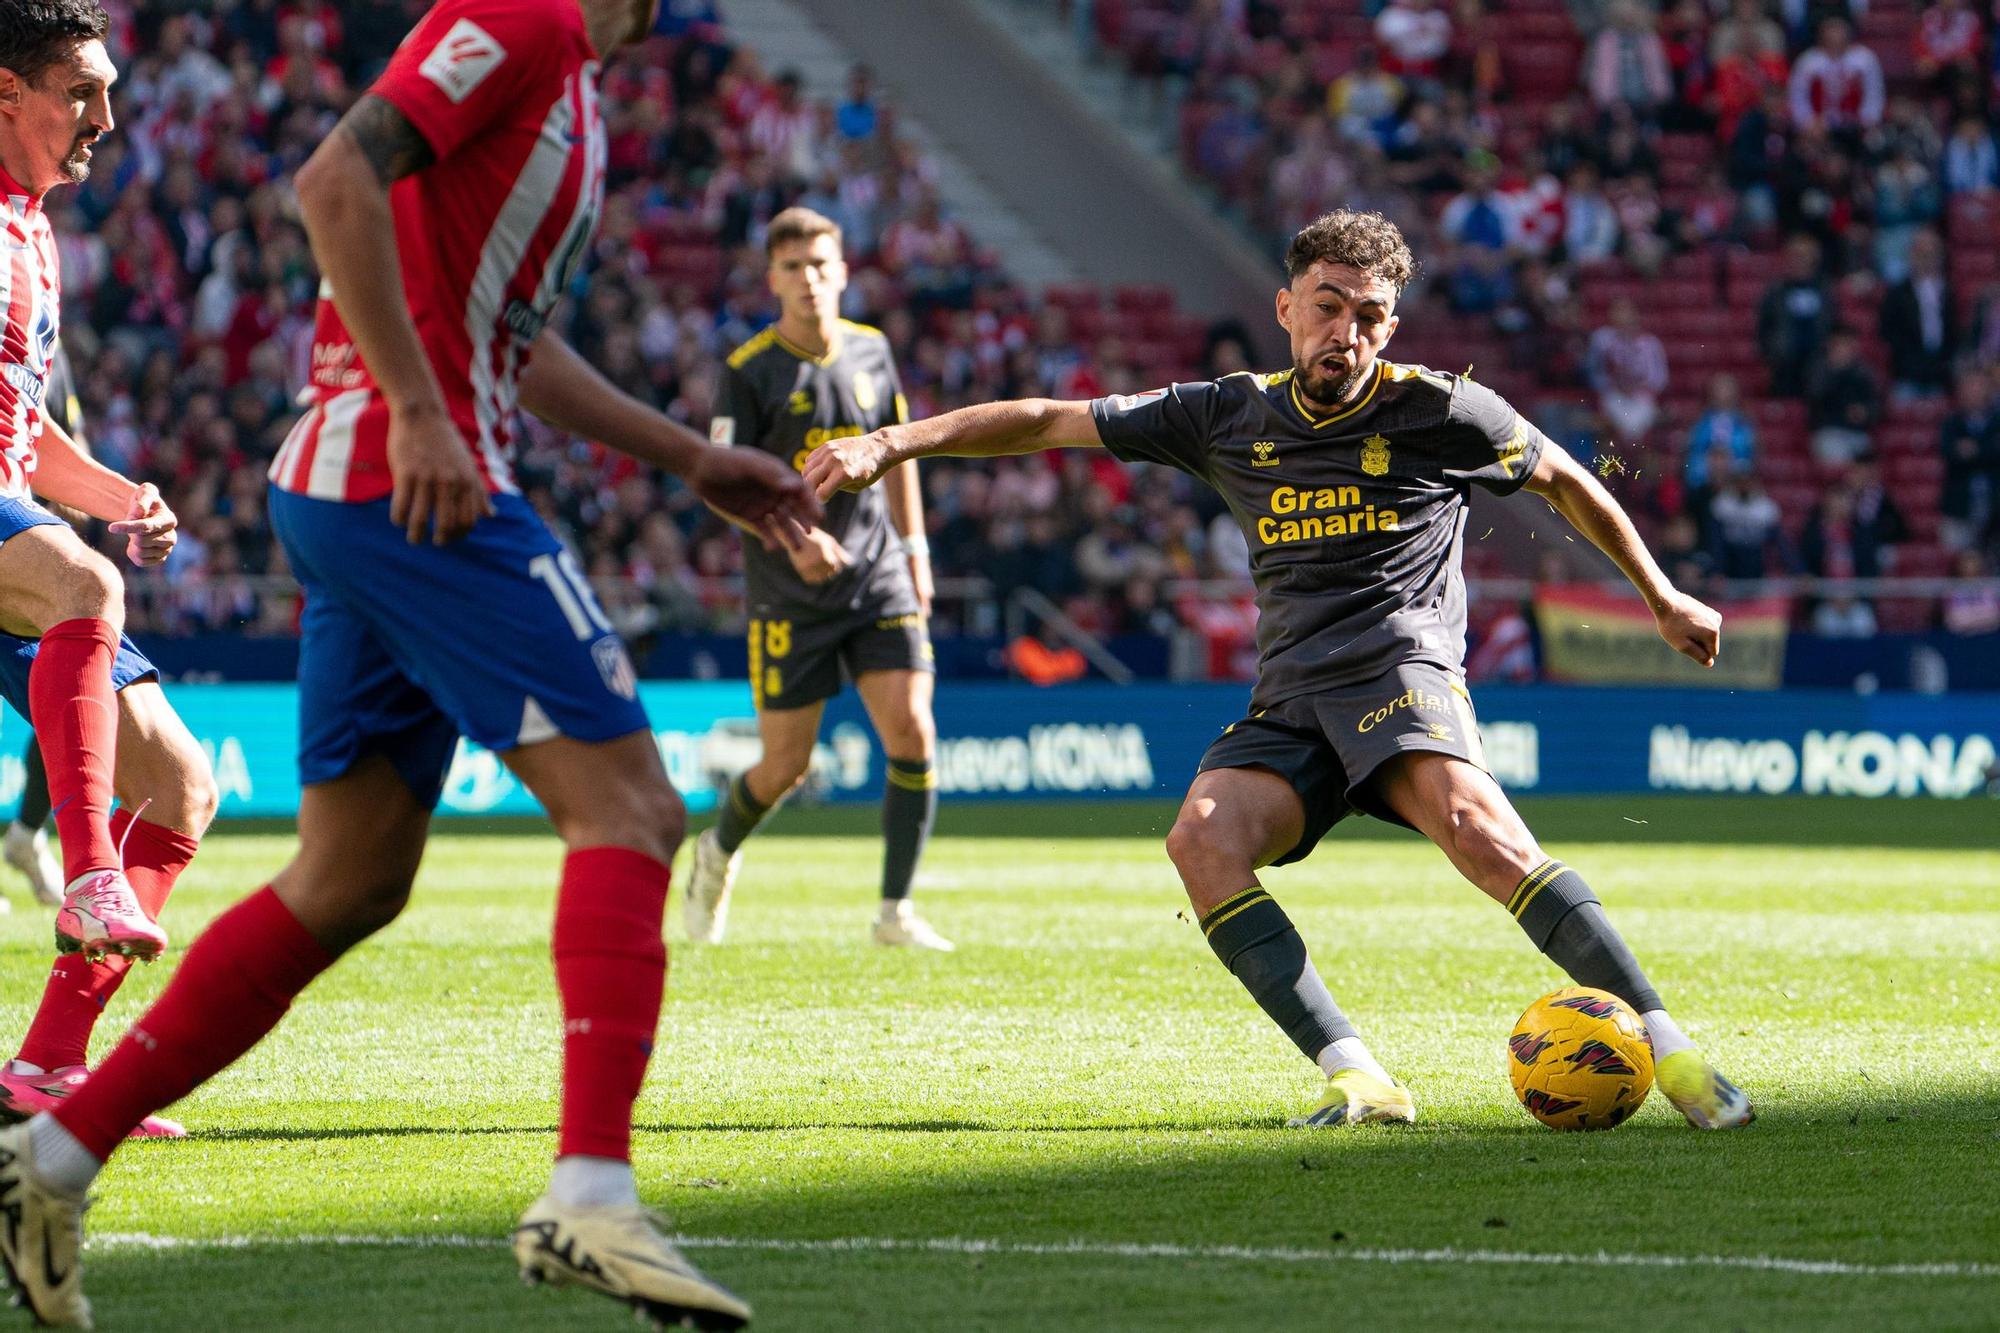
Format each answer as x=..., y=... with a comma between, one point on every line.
x=1580, y=1059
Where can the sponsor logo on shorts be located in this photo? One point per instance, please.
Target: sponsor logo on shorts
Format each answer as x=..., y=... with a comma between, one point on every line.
x=910, y=621
x=614, y=664
x=1408, y=699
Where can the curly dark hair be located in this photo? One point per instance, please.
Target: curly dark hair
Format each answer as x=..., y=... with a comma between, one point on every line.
x=1368, y=241
x=37, y=35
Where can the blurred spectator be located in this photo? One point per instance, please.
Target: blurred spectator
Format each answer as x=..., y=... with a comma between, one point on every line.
x=857, y=116
x=1971, y=161
x=1309, y=180
x=1947, y=44
x=1907, y=199
x=1745, y=522
x=1969, y=439
x=1628, y=369
x=1844, y=617
x=1414, y=35
x=1794, y=318
x=1917, y=322
x=1364, y=100
x=1853, y=529
x=1590, y=224
x=1972, y=608
x=1837, y=85
x=929, y=253
x=1843, y=402
x=1627, y=63
x=1681, y=554
x=1722, y=433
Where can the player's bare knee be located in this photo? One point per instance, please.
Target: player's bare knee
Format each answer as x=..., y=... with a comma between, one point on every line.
x=1204, y=852
x=1493, y=849
x=89, y=588
x=778, y=776
x=643, y=812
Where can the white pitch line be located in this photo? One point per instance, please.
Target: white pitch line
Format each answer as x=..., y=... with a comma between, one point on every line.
x=139, y=1240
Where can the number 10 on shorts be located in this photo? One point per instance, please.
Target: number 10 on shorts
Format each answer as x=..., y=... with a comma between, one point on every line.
x=579, y=604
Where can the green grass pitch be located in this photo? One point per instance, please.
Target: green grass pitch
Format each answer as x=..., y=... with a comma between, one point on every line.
x=1075, y=1121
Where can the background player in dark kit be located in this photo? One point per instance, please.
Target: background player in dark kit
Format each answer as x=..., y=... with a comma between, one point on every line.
x=1350, y=476
x=850, y=601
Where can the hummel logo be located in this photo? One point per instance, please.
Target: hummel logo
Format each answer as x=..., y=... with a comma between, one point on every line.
x=1266, y=453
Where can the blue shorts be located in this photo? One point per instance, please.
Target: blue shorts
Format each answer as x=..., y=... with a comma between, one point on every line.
x=17, y=655
x=404, y=648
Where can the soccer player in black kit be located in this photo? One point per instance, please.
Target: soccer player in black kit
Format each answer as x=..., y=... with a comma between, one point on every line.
x=850, y=602
x=1350, y=475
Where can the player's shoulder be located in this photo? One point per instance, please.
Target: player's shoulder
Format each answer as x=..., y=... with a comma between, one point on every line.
x=864, y=333
x=1447, y=397
x=755, y=346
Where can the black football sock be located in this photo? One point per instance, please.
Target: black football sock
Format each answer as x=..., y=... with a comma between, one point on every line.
x=1566, y=922
x=1255, y=940
x=34, y=811
x=909, y=808
x=741, y=812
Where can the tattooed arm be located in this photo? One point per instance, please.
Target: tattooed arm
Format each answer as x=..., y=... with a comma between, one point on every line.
x=343, y=193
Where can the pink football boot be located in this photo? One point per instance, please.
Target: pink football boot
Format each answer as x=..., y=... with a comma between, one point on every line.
x=100, y=915
x=24, y=1095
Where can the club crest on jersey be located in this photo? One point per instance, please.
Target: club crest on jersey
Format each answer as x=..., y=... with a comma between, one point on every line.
x=864, y=391
x=1264, y=453
x=1375, y=455
x=462, y=59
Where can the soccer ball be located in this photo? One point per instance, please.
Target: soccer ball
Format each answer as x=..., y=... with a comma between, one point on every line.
x=1580, y=1059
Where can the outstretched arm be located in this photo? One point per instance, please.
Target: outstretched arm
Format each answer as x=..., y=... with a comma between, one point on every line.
x=1690, y=627
x=987, y=430
x=750, y=488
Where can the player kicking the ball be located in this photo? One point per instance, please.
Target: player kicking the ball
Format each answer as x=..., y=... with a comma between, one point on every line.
x=448, y=212
x=850, y=599
x=65, y=664
x=1350, y=476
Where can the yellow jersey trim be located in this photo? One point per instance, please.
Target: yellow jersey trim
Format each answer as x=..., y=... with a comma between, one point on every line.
x=1321, y=423
x=739, y=357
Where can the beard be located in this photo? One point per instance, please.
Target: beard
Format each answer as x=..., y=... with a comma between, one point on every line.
x=75, y=168
x=1330, y=390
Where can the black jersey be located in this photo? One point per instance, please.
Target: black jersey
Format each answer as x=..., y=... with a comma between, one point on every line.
x=783, y=400
x=1356, y=520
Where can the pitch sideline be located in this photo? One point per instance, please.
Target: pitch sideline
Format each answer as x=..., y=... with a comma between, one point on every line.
x=140, y=1240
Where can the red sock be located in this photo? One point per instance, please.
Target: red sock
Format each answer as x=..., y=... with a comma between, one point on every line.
x=76, y=718
x=611, y=968
x=236, y=982
x=78, y=989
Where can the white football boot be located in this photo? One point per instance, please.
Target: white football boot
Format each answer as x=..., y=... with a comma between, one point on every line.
x=710, y=882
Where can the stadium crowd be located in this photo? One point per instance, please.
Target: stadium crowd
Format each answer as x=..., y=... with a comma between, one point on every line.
x=1747, y=253
x=1755, y=156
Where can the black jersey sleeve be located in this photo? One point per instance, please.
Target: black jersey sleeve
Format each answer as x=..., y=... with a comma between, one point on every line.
x=1486, y=441
x=1173, y=425
x=738, y=417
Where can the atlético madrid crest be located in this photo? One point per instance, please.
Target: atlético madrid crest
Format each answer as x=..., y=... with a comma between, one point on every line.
x=1375, y=455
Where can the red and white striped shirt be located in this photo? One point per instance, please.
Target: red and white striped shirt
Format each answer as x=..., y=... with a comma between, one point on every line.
x=505, y=92
x=30, y=291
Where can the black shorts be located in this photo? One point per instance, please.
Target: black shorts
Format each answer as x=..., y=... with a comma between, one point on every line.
x=1328, y=745
x=798, y=663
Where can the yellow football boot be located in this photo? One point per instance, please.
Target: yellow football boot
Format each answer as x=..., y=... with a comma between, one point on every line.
x=1355, y=1097
x=1706, y=1098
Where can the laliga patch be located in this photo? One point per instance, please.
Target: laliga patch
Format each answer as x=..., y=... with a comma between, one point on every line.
x=1127, y=402
x=615, y=666
x=722, y=431
x=462, y=59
